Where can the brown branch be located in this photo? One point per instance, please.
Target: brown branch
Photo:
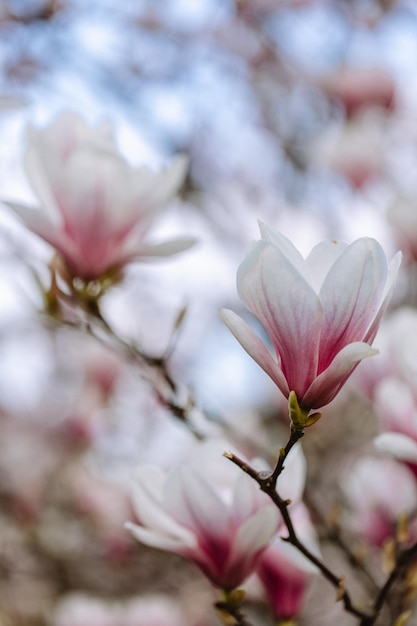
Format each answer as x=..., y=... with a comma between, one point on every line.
x=403, y=560
x=233, y=611
x=267, y=483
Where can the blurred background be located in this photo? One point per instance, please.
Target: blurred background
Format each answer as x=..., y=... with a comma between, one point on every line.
x=301, y=114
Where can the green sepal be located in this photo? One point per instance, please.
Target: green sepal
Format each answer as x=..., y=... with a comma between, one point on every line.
x=312, y=419
x=298, y=415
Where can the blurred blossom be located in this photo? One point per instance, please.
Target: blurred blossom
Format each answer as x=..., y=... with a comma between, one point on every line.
x=106, y=504
x=321, y=313
x=299, y=112
x=378, y=491
x=358, y=88
x=95, y=208
x=284, y=572
x=402, y=215
x=154, y=610
x=210, y=512
x=30, y=453
x=354, y=149
x=391, y=385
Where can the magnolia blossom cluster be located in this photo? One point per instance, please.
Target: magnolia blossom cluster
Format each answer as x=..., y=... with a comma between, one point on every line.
x=321, y=315
x=94, y=208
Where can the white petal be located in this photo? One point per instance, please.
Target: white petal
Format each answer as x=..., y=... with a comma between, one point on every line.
x=40, y=183
x=156, y=189
x=321, y=259
x=195, y=504
x=147, y=493
x=164, y=249
x=247, y=498
x=285, y=246
x=34, y=218
x=154, y=539
x=393, y=268
x=288, y=307
x=398, y=445
x=351, y=296
x=253, y=535
x=255, y=348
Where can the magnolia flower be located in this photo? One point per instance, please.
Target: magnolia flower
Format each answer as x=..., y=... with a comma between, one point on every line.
x=95, y=209
x=321, y=313
x=378, y=492
x=390, y=384
x=210, y=512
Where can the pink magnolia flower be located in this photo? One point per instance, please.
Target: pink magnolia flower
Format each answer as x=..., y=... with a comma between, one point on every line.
x=210, y=512
x=390, y=384
x=284, y=572
x=95, y=209
x=378, y=491
x=321, y=313
x=361, y=87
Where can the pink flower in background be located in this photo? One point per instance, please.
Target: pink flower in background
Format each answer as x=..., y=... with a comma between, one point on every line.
x=284, y=572
x=95, y=209
x=357, y=88
x=402, y=216
x=210, y=512
x=390, y=383
x=321, y=313
x=377, y=492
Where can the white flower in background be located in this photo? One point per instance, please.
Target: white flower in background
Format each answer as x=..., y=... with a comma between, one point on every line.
x=95, y=209
x=378, y=491
x=390, y=383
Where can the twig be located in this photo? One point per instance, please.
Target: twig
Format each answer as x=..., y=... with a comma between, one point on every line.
x=403, y=560
x=234, y=611
x=267, y=483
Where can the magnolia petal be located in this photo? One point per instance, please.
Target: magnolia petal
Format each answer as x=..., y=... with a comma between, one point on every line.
x=153, y=539
x=195, y=504
x=31, y=216
x=255, y=348
x=398, y=445
x=156, y=189
x=350, y=295
x=251, y=537
x=325, y=387
x=164, y=249
x=284, y=245
x=147, y=502
x=321, y=258
x=40, y=184
x=393, y=268
x=286, y=304
x=246, y=498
